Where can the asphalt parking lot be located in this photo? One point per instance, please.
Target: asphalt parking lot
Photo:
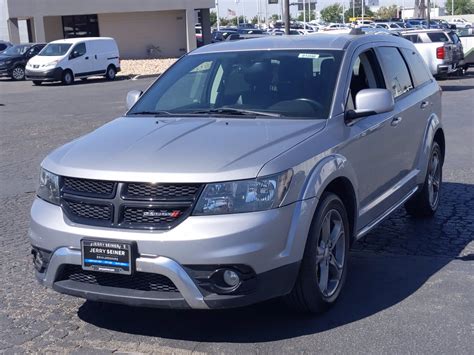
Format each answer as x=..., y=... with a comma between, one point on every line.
x=410, y=288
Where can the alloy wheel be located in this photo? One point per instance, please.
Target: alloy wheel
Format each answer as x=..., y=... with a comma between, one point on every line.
x=18, y=73
x=434, y=180
x=331, y=252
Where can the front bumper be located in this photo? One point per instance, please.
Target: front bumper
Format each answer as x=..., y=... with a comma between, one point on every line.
x=48, y=75
x=271, y=243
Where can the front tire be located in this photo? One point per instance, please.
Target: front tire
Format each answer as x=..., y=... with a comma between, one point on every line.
x=68, y=78
x=324, y=266
x=37, y=82
x=425, y=202
x=18, y=73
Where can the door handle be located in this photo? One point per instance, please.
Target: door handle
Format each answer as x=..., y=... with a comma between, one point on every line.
x=424, y=104
x=95, y=56
x=396, y=121
x=87, y=58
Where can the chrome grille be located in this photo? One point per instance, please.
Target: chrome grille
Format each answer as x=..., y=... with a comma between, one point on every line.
x=127, y=205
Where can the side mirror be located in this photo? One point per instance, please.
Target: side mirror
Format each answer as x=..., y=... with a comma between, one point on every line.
x=371, y=102
x=132, y=98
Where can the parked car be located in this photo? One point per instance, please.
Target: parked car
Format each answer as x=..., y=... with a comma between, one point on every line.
x=4, y=45
x=460, y=23
x=415, y=23
x=222, y=34
x=388, y=25
x=244, y=173
x=440, y=54
x=67, y=59
x=441, y=24
x=466, y=36
x=13, y=60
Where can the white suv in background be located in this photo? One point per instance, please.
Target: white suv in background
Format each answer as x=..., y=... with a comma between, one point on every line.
x=67, y=59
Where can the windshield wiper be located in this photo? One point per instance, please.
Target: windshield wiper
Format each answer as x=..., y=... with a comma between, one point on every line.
x=237, y=112
x=151, y=113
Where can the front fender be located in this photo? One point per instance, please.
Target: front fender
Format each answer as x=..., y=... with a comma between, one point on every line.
x=326, y=171
x=434, y=124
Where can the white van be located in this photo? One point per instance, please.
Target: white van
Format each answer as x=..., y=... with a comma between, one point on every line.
x=67, y=59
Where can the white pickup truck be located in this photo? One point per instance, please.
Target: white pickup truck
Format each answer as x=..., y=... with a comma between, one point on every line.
x=460, y=22
x=440, y=54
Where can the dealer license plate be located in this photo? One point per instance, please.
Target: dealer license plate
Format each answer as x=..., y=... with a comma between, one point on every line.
x=107, y=256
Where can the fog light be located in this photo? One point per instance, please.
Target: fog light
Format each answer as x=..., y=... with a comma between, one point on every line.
x=231, y=278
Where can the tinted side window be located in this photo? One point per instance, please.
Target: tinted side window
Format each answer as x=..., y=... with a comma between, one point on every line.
x=396, y=72
x=79, y=50
x=2, y=46
x=418, y=69
x=366, y=74
x=437, y=37
x=413, y=38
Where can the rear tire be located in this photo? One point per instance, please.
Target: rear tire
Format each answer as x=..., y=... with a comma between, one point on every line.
x=110, y=73
x=18, y=73
x=324, y=266
x=425, y=202
x=68, y=77
x=37, y=82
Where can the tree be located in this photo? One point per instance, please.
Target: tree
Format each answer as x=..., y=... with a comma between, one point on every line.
x=358, y=13
x=386, y=13
x=309, y=15
x=254, y=20
x=332, y=13
x=461, y=7
x=213, y=18
x=275, y=17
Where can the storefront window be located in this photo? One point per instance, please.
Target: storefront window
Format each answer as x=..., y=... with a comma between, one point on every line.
x=80, y=26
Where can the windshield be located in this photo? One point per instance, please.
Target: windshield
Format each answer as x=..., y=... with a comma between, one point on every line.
x=17, y=50
x=55, y=49
x=297, y=84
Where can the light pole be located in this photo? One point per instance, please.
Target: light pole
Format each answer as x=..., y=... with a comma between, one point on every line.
x=286, y=11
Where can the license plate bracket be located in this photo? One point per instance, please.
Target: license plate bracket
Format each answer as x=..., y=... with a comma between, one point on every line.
x=111, y=256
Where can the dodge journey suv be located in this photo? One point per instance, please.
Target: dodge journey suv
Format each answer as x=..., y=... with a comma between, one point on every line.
x=244, y=173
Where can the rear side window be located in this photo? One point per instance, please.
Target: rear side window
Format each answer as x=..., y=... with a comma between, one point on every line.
x=437, y=37
x=2, y=46
x=413, y=38
x=419, y=71
x=395, y=69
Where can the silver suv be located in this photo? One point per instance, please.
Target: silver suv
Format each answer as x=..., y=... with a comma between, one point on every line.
x=244, y=173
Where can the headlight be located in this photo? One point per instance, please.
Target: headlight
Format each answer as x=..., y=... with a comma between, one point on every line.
x=48, y=188
x=50, y=64
x=244, y=196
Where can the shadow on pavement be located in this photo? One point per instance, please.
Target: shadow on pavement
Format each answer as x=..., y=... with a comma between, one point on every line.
x=457, y=88
x=385, y=268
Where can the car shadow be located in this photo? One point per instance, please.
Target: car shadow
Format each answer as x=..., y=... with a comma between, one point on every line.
x=385, y=268
x=92, y=80
x=457, y=88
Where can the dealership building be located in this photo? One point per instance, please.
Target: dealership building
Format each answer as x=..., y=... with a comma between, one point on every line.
x=138, y=26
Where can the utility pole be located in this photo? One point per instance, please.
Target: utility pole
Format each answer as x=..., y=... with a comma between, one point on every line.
x=304, y=13
x=428, y=18
x=353, y=9
x=363, y=11
x=218, y=17
x=286, y=16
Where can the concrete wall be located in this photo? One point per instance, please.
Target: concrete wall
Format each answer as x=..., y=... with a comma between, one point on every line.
x=4, y=35
x=27, y=8
x=53, y=28
x=136, y=31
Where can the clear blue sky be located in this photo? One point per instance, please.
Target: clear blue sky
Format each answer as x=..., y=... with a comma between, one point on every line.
x=249, y=7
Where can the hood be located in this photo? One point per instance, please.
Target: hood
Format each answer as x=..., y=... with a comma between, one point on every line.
x=44, y=59
x=179, y=149
x=4, y=57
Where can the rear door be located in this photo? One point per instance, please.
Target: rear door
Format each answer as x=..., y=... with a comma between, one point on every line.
x=406, y=129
